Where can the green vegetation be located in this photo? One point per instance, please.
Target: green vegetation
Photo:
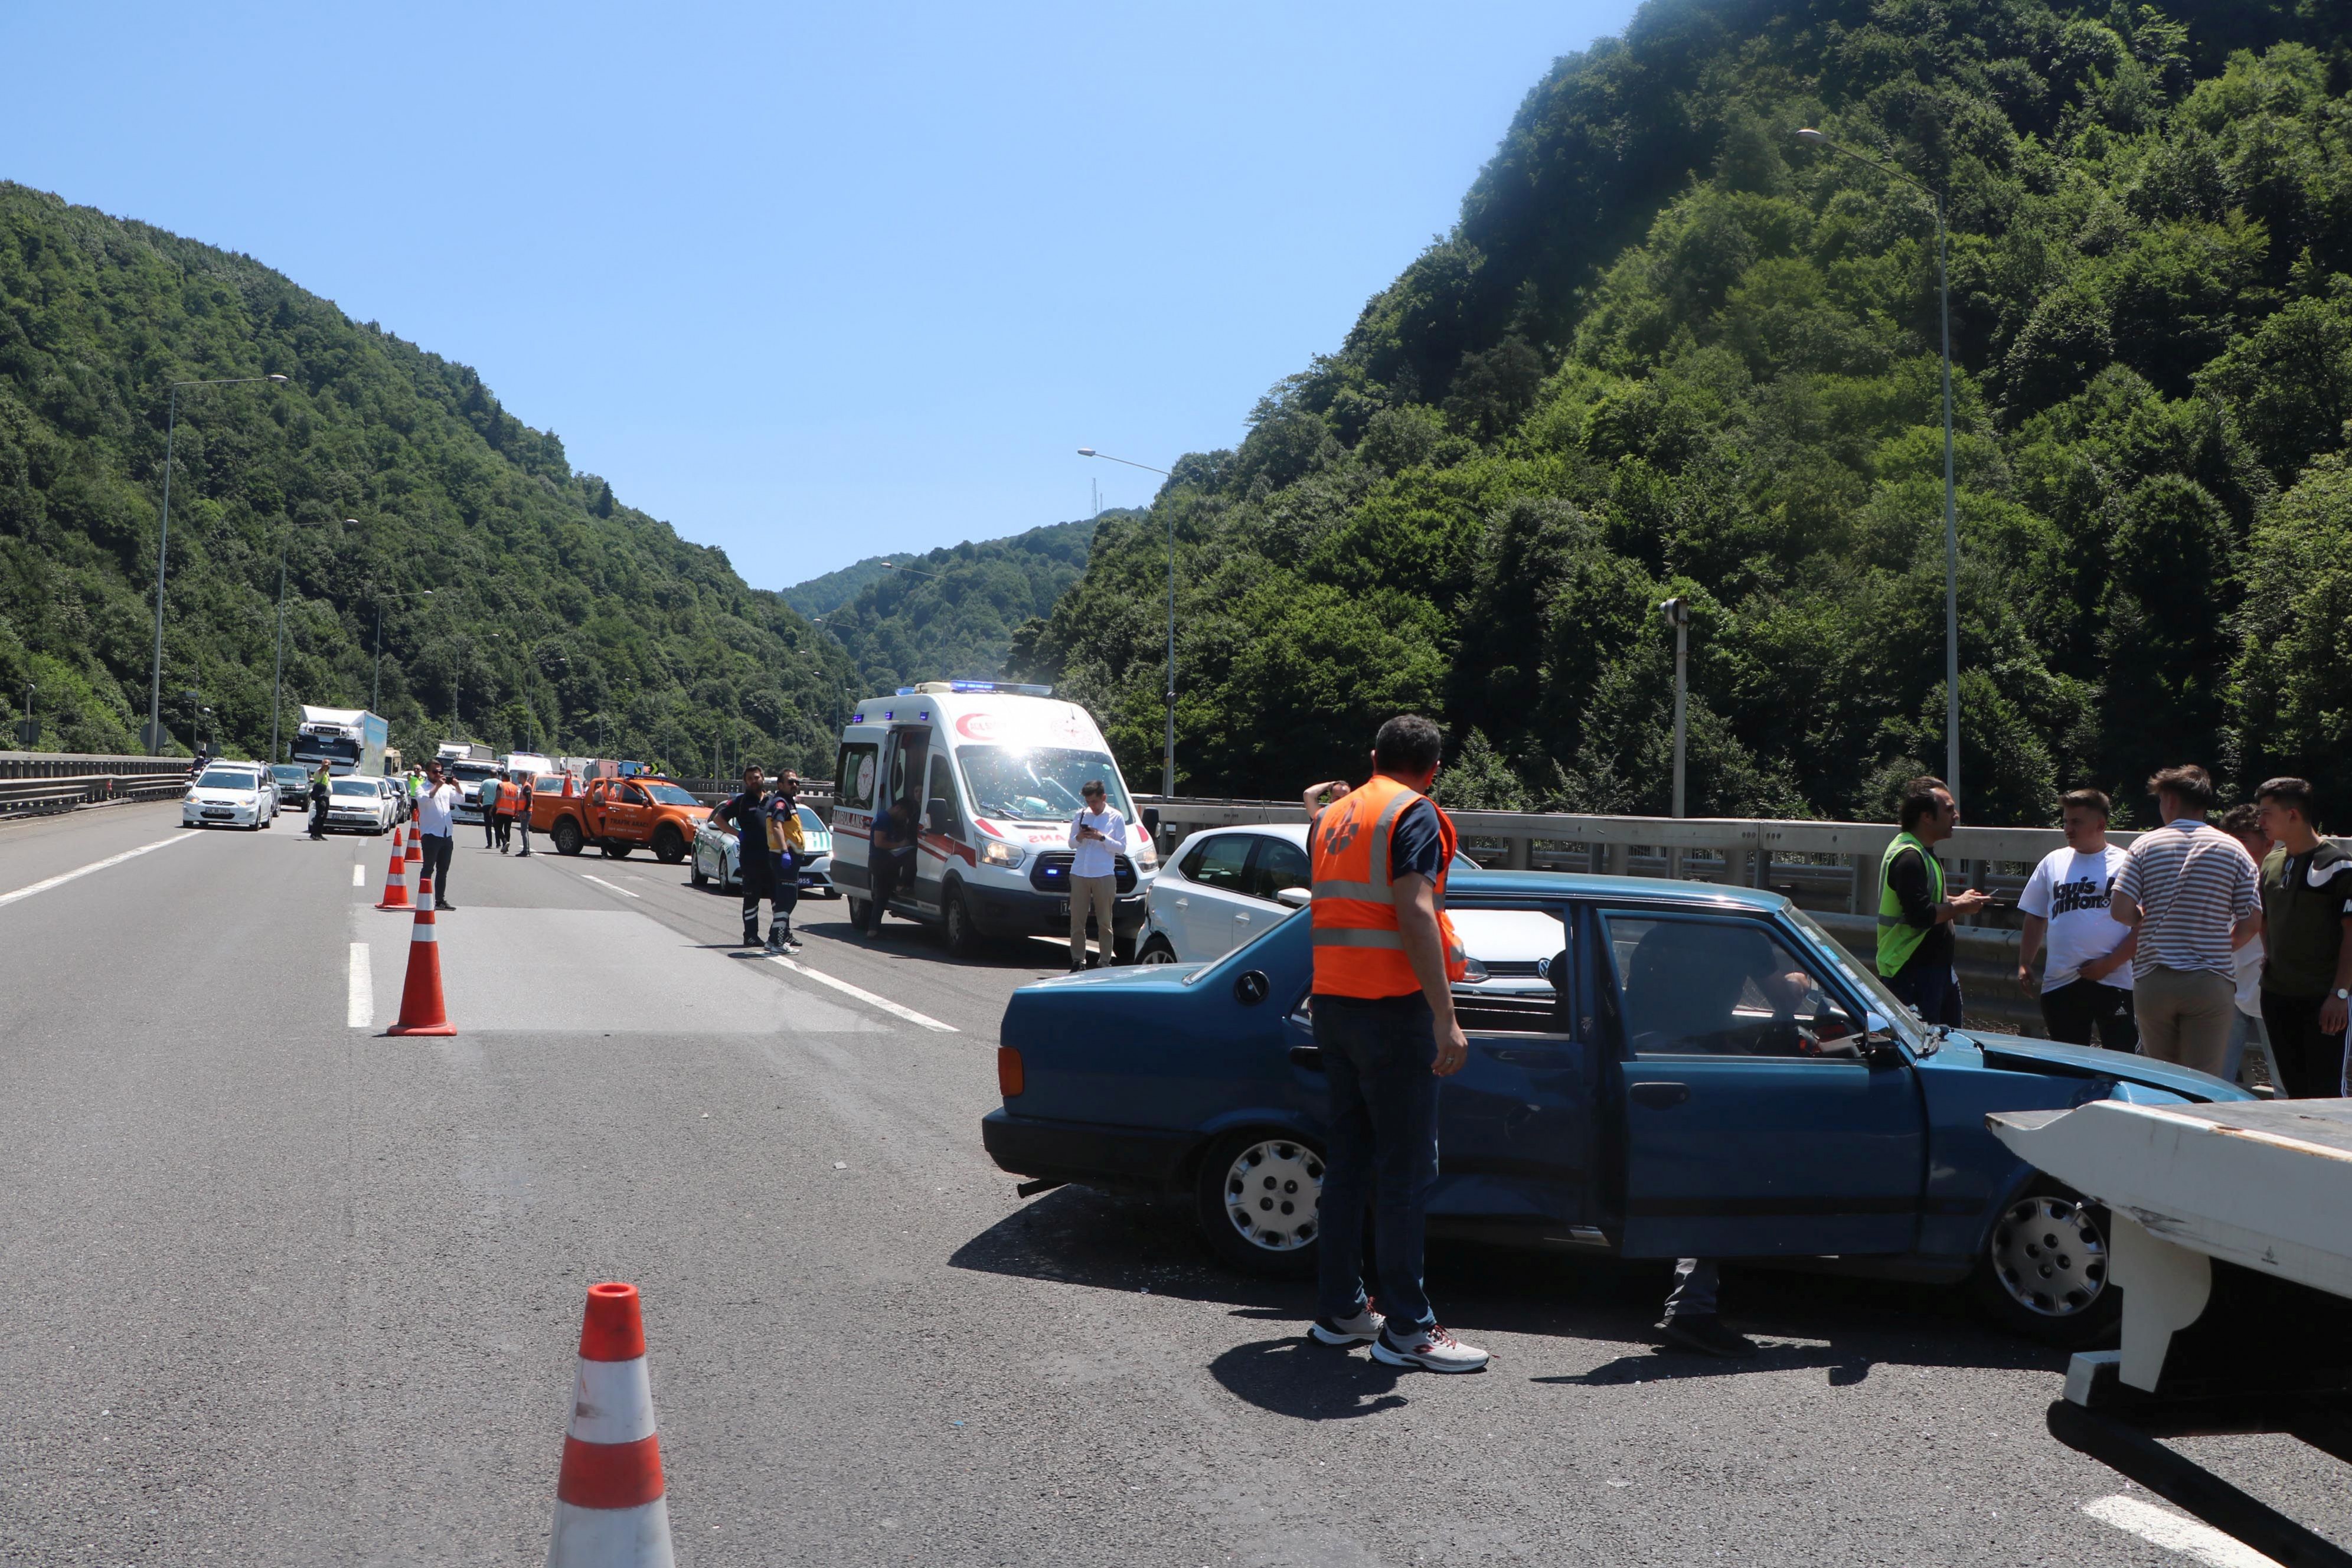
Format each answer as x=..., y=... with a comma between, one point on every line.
x=823, y=595
x=559, y=618
x=956, y=614
x=1669, y=349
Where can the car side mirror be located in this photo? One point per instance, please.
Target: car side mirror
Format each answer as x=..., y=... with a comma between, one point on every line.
x=939, y=816
x=1151, y=820
x=1295, y=898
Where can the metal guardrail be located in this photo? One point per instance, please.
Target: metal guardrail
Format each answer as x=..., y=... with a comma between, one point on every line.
x=36, y=781
x=1828, y=869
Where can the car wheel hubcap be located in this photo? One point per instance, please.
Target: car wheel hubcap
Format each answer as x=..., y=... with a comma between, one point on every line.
x=1156, y=954
x=2051, y=1255
x=1272, y=1192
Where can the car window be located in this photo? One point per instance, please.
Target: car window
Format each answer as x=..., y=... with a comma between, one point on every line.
x=1721, y=987
x=225, y=778
x=853, y=773
x=1519, y=971
x=632, y=796
x=810, y=821
x=354, y=786
x=1279, y=864
x=1221, y=862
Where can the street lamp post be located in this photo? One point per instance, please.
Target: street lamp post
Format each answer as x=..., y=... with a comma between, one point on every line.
x=32, y=730
x=1678, y=614
x=1951, y=512
x=277, y=674
x=1168, y=759
x=162, y=542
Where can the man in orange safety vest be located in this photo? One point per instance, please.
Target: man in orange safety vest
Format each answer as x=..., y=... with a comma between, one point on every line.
x=1385, y=958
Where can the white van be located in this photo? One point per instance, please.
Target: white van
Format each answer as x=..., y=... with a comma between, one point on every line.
x=989, y=774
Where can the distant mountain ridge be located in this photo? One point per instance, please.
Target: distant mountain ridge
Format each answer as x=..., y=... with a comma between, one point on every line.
x=954, y=613
x=823, y=595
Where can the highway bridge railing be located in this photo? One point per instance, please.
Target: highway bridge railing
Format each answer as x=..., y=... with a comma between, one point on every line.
x=37, y=781
x=1828, y=869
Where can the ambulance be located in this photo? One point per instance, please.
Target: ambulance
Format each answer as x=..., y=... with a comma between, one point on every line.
x=986, y=776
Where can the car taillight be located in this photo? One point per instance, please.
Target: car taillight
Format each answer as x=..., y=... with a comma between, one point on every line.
x=1008, y=1071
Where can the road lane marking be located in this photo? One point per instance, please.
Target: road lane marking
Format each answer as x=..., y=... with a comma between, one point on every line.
x=57, y=882
x=359, y=876
x=2193, y=1539
x=884, y=1003
x=358, y=1002
x=602, y=883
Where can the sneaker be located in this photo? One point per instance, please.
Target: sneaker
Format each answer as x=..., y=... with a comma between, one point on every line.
x=1361, y=1329
x=750, y=939
x=1431, y=1349
x=440, y=904
x=1705, y=1332
x=774, y=944
x=522, y=854
x=791, y=944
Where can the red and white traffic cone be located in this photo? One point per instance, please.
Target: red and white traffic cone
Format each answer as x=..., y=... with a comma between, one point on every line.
x=422, y=1011
x=396, y=878
x=610, y=1508
x=417, y=847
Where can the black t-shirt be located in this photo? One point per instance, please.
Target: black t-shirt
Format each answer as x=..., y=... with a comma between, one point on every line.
x=1915, y=890
x=742, y=812
x=1417, y=846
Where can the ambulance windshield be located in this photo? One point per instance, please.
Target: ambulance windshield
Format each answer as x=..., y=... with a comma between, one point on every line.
x=1038, y=784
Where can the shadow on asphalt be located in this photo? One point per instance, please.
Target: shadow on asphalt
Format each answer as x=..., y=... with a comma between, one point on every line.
x=1077, y=1236
x=829, y=918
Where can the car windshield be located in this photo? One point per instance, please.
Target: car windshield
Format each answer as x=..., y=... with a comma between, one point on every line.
x=1038, y=784
x=1874, y=990
x=357, y=786
x=670, y=794
x=290, y=774
x=227, y=778
x=811, y=822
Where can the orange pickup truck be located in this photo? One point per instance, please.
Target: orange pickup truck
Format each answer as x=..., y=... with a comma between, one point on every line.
x=617, y=816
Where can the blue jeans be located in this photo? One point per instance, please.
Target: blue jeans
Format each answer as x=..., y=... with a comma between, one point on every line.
x=1382, y=1153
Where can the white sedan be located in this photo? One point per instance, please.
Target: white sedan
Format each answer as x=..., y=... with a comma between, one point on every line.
x=714, y=852
x=227, y=794
x=361, y=801
x=1226, y=886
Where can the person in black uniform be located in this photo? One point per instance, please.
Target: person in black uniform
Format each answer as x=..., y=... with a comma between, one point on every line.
x=319, y=793
x=745, y=815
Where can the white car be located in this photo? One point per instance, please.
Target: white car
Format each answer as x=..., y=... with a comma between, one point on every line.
x=230, y=794
x=714, y=852
x=363, y=802
x=1226, y=886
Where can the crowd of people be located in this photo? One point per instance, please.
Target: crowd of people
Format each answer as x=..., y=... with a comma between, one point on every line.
x=2200, y=942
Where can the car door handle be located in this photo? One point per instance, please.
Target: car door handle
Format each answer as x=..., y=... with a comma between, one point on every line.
x=1660, y=1095
x=1241, y=919
x=1309, y=1058
x=1183, y=904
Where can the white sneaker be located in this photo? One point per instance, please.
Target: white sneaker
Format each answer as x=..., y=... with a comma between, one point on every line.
x=1431, y=1348
x=1361, y=1329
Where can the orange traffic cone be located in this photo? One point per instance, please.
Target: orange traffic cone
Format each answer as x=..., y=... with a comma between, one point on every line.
x=422, y=1011
x=416, y=847
x=610, y=1506
x=396, y=878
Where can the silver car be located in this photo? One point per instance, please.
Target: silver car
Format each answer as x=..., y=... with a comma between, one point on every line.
x=713, y=859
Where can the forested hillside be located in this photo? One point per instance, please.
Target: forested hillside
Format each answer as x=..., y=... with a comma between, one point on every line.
x=1670, y=348
x=835, y=589
x=557, y=617
x=955, y=613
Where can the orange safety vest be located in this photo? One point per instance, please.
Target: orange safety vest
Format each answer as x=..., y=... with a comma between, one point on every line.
x=509, y=797
x=1358, y=949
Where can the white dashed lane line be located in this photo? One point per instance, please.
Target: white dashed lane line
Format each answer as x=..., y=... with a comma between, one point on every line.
x=2190, y=1538
x=614, y=886
x=893, y=1008
x=359, y=1000
x=359, y=876
x=63, y=877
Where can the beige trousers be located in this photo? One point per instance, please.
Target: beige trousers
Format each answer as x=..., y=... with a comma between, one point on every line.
x=1098, y=896
x=2184, y=1015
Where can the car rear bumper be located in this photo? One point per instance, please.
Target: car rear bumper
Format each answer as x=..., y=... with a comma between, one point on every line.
x=1145, y=1158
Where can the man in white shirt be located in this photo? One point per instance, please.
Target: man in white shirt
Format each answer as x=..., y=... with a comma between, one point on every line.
x=1097, y=835
x=434, y=824
x=2088, y=983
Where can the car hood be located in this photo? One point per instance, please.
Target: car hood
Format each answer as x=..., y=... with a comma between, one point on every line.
x=2018, y=1053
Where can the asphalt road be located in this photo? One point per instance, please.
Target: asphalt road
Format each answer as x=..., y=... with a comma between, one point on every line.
x=282, y=1289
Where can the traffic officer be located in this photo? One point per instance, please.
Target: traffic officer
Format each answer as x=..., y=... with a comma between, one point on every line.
x=319, y=797
x=1385, y=961
x=745, y=816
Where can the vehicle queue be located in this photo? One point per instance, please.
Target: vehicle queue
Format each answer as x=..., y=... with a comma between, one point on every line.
x=1653, y=1068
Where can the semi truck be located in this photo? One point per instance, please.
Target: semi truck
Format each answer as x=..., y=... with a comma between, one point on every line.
x=348, y=740
x=467, y=764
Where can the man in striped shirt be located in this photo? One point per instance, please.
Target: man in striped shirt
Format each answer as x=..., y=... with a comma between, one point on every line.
x=2194, y=897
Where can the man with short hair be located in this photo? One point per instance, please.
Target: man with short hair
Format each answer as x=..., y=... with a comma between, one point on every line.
x=745, y=815
x=2189, y=892
x=2088, y=985
x=433, y=827
x=1097, y=834
x=2306, y=891
x=1915, y=944
x=1385, y=960
x=2244, y=822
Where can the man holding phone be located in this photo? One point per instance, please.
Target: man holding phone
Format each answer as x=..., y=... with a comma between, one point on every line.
x=2087, y=985
x=1098, y=833
x=1915, y=945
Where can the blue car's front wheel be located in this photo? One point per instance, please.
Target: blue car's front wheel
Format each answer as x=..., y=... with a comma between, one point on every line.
x=1260, y=1198
x=2044, y=1273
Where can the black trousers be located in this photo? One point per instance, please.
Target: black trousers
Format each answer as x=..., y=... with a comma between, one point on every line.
x=2310, y=1060
x=436, y=865
x=2076, y=1008
x=1930, y=986
x=884, y=866
x=755, y=887
x=489, y=831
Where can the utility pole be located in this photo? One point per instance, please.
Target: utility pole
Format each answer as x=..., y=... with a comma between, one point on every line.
x=1678, y=614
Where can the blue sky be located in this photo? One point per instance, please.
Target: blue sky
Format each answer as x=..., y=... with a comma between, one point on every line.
x=812, y=284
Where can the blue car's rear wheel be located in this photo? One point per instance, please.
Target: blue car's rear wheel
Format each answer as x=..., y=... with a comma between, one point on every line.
x=1259, y=1201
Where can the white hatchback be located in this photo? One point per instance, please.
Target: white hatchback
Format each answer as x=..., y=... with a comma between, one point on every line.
x=1226, y=886
x=230, y=794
